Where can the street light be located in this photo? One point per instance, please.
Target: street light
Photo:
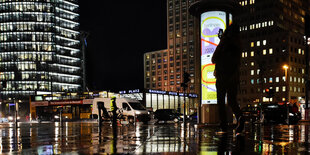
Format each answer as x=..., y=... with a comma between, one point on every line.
x=285, y=67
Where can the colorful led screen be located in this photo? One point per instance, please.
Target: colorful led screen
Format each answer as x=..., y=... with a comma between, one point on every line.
x=211, y=23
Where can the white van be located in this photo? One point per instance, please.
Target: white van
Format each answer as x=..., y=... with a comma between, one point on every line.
x=131, y=109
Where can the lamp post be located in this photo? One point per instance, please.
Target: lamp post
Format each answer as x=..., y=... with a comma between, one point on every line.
x=285, y=67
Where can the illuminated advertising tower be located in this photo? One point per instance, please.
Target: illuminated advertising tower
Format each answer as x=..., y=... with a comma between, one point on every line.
x=39, y=47
x=215, y=16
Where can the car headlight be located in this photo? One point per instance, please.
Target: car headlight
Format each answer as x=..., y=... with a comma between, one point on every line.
x=66, y=117
x=56, y=117
x=291, y=114
x=10, y=118
x=137, y=112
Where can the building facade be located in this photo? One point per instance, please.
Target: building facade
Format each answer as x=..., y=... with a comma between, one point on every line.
x=273, y=56
x=163, y=69
x=39, y=47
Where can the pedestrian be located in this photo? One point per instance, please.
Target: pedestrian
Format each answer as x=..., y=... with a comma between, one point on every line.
x=226, y=58
x=27, y=118
x=113, y=109
x=114, y=125
x=295, y=108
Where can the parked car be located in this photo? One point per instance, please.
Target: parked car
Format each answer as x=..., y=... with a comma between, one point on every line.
x=45, y=117
x=294, y=118
x=167, y=115
x=275, y=113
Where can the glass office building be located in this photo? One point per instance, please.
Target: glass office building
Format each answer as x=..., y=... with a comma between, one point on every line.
x=39, y=47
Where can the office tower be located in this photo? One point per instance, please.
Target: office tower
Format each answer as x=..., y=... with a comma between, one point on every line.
x=164, y=68
x=39, y=47
x=273, y=56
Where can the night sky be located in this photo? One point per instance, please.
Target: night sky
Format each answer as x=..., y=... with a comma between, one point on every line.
x=120, y=33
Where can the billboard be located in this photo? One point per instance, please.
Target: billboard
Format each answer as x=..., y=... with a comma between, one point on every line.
x=211, y=23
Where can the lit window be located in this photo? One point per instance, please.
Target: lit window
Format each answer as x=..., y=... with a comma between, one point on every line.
x=264, y=52
x=252, y=44
x=270, y=51
x=252, y=53
x=277, y=79
x=252, y=81
x=299, y=51
x=277, y=89
x=270, y=80
x=283, y=89
x=264, y=42
x=252, y=72
x=252, y=63
x=258, y=43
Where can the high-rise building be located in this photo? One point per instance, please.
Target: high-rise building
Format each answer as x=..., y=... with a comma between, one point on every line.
x=273, y=56
x=164, y=68
x=39, y=47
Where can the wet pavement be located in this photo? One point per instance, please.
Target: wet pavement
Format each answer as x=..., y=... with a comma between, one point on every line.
x=164, y=138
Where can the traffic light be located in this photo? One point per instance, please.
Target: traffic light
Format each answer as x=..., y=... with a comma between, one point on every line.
x=269, y=92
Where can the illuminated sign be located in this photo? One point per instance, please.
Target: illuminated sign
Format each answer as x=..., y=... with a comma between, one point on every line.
x=39, y=103
x=211, y=23
x=157, y=91
x=66, y=102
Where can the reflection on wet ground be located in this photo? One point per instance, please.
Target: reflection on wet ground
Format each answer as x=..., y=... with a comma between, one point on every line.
x=88, y=138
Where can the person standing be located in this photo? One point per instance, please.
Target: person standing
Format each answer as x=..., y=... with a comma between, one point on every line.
x=114, y=125
x=113, y=109
x=226, y=58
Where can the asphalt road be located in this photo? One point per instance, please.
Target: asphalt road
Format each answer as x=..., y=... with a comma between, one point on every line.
x=164, y=138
